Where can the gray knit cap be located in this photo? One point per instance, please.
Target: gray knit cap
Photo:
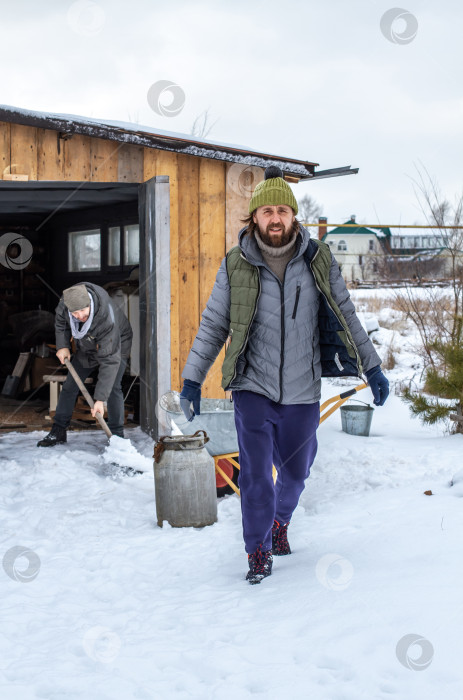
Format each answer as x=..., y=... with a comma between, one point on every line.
x=76, y=297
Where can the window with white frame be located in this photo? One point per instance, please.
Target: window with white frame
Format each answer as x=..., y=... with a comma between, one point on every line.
x=342, y=245
x=84, y=250
x=371, y=245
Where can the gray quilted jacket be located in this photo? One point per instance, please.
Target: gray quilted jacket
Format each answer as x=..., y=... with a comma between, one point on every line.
x=293, y=376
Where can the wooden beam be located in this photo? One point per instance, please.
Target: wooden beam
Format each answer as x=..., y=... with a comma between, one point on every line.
x=211, y=250
x=188, y=253
x=166, y=164
x=154, y=302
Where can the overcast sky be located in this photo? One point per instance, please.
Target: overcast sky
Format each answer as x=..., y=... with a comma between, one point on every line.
x=324, y=82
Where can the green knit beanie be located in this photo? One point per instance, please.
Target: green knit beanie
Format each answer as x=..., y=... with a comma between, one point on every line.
x=272, y=191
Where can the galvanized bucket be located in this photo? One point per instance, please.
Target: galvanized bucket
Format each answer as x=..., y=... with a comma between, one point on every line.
x=356, y=420
x=217, y=418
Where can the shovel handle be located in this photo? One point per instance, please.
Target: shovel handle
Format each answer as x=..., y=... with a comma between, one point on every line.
x=87, y=396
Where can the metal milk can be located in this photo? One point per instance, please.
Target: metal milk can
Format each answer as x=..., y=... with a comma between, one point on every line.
x=184, y=481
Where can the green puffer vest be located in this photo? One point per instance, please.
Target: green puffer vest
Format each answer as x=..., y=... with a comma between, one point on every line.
x=339, y=354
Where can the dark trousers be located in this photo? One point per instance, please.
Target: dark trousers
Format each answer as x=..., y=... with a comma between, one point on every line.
x=69, y=392
x=269, y=434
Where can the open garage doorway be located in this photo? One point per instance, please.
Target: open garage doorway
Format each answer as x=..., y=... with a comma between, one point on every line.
x=54, y=235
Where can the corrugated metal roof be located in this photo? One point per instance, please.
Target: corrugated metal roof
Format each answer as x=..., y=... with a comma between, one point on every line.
x=151, y=137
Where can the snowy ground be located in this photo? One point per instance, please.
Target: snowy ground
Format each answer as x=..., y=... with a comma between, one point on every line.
x=104, y=605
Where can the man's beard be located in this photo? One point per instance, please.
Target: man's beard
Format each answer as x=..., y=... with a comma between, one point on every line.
x=275, y=240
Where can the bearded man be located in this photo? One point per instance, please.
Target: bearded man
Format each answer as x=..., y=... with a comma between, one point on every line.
x=281, y=304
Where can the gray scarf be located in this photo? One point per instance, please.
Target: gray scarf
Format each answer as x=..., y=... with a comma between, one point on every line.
x=76, y=333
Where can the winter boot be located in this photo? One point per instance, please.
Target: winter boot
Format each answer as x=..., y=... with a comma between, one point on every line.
x=260, y=565
x=280, y=544
x=56, y=436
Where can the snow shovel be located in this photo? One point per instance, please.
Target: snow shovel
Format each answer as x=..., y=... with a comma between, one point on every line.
x=87, y=397
x=123, y=469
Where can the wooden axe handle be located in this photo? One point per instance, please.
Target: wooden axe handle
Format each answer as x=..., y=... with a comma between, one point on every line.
x=87, y=396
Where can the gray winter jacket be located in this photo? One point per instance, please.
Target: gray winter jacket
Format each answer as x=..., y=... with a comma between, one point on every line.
x=108, y=340
x=294, y=375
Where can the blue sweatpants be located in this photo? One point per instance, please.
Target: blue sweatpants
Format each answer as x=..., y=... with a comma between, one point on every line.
x=269, y=434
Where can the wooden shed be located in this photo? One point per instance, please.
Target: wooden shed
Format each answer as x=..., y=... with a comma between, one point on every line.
x=98, y=198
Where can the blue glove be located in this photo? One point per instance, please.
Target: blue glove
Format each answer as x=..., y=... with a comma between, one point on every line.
x=378, y=384
x=190, y=394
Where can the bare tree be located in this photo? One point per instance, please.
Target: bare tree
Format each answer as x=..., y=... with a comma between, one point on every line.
x=309, y=210
x=202, y=125
x=443, y=216
x=399, y=268
x=439, y=317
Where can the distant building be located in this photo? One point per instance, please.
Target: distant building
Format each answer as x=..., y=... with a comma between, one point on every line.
x=367, y=253
x=357, y=249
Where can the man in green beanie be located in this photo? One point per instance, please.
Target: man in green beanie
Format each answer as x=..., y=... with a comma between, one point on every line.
x=103, y=338
x=281, y=305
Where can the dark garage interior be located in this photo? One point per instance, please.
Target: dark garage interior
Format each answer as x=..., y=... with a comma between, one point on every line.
x=77, y=231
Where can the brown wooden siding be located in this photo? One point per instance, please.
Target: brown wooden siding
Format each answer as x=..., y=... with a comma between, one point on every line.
x=208, y=198
x=50, y=162
x=5, y=148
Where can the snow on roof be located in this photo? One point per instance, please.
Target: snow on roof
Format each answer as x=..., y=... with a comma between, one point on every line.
x=423, y=255
x=350, y=230
x=156, y=138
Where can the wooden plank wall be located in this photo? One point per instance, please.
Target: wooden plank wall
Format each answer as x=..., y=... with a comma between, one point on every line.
x=197, y=236
x=50, y=160
x=5, y=148
x=23, y=151
x=241, y=181
x=211, y=249
x=208, y=199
